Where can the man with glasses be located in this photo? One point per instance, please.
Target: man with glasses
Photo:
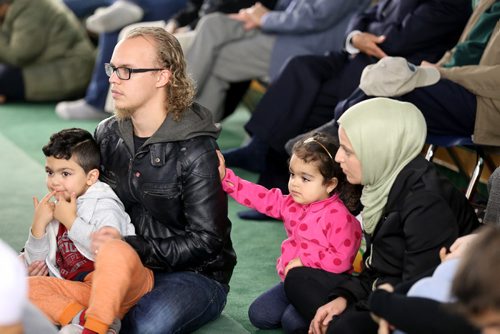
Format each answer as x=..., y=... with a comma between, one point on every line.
x=158, y=154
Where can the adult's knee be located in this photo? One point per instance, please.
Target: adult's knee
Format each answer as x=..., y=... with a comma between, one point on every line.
x=295, y=279
x=210, y=20
x=143, y=320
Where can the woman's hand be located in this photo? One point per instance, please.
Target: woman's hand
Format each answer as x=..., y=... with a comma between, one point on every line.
x=383, y=326
x=325, y=314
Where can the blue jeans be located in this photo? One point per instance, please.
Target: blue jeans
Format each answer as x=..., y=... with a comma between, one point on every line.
x=180, y=302
x=272, y=309
x=154, y=10
x=83, y=8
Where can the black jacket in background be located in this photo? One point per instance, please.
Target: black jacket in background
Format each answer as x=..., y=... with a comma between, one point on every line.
x=172, y=191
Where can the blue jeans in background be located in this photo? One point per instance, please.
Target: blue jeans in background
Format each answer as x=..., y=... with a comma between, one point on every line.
x=272, y=309
x=180, y=302
x=84, y=8
x=154, y=10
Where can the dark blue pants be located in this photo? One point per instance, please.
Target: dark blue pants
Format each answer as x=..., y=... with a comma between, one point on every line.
x=11, y=82
x=304, y=96
x=273, y=310
x=448, y=108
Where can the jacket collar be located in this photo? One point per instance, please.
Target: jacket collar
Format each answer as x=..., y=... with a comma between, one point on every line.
x=195, y=121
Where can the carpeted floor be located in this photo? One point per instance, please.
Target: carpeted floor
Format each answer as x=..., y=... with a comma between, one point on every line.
x=25, y=128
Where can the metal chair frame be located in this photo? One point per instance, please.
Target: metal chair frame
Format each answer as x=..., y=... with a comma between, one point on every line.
x=450, y=142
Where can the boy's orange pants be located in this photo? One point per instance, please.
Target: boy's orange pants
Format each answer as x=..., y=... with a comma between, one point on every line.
x=117, y=283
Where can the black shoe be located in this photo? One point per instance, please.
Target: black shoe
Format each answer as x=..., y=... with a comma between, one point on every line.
x=251, y=157
x=253, y=215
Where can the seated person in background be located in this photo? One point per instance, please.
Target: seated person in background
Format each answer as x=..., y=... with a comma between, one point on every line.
x=17, y=315
x=92, y=105
x=410, y=212
x=256, y=42
x=90, y=288
x=305, y=94
x=465, y=100
x=321, y=231
x=45, y=54
x=183, y=25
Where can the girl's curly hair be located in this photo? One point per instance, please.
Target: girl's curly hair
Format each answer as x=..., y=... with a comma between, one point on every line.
x=321, y=148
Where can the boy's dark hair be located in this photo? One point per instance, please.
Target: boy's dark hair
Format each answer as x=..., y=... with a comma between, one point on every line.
x=321, y=148
x=74, y=142
x=476, y=282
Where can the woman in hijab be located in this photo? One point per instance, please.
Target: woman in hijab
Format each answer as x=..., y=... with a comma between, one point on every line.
x=409, y=213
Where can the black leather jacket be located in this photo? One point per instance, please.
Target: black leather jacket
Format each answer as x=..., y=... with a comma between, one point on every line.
x=171, y=189
x=424, y=212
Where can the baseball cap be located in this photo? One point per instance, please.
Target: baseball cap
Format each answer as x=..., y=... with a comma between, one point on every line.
x=395, y=76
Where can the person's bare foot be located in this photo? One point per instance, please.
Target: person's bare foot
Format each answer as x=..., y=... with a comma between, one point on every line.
x=2, y=99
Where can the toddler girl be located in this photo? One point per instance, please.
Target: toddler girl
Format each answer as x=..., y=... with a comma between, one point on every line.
x=321, y=232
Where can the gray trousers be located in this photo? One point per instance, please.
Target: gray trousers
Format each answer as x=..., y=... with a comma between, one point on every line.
x=223, y=52
x=492, y=214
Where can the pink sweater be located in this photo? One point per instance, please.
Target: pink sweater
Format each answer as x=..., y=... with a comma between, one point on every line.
x=322, y=234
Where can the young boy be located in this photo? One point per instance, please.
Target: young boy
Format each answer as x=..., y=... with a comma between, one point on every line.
x=476, y=283
x=91, y=283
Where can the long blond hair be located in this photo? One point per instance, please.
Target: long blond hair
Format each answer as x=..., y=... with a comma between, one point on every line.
x=169, y=55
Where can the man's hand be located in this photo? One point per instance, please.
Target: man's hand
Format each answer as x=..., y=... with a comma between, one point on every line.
x=325, y=314
x=244, y=18
x=44, y=213
x=65, y=211
x=368, y=44
x=103, y=235
x=251, y=17
x=38, y=268
x=256, y=12
x=292, y=264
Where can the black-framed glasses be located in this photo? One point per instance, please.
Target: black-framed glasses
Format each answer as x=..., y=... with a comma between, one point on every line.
x=124, y=73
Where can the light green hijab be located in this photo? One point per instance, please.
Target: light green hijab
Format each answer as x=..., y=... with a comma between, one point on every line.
x=385, y=135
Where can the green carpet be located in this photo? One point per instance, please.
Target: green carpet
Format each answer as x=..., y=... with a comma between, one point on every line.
x=25, y=128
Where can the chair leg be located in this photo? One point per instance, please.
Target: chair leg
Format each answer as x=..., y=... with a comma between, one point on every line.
x=474, y=179
x=430, y=152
